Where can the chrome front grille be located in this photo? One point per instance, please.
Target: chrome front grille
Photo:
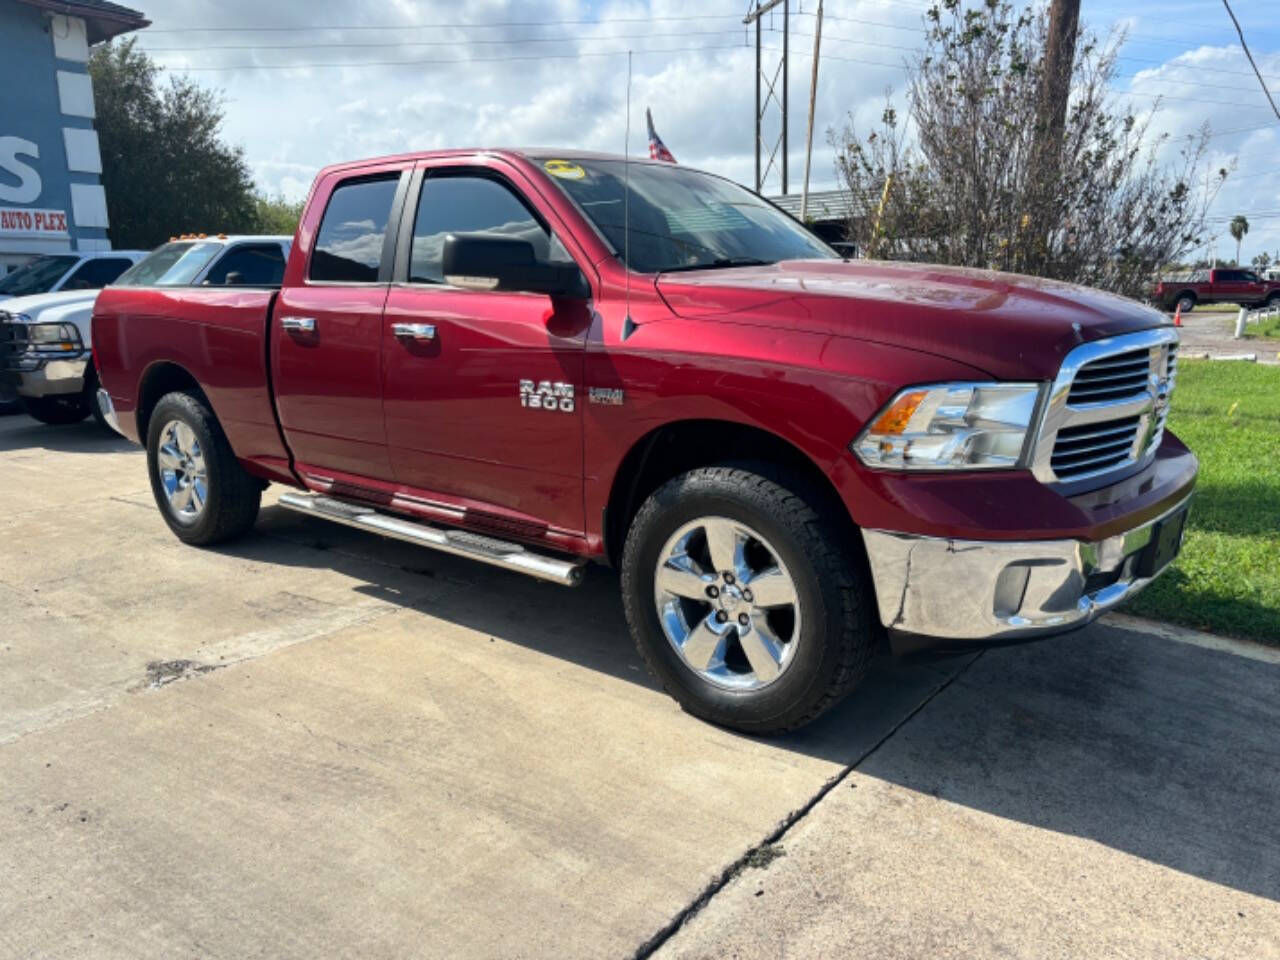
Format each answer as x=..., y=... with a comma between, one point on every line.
x=1094, y=446
x=1113, y=378
x=1107, y=408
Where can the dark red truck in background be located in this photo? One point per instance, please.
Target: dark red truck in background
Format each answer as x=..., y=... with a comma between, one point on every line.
x=541, y=360
x=1219, y=285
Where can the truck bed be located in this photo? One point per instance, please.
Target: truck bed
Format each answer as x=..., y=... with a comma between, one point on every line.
x=141, y=335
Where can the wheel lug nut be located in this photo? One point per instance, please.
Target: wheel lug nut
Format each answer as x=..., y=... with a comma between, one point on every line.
x=721, y=616
x=743, y=619
x=746, y=595
x=728, y=578
x=713, y=592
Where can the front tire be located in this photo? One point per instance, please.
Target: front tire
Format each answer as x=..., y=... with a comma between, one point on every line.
x=1186, y=303
x=203, y=493
x=745, y=600
x=57, y=410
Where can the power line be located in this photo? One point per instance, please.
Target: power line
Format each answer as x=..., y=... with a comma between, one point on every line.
x=1250, y=176
x=1231, y=13
x=522, y=40
x=1118, y=93
x=1164, y=81
x=454, y=60
x=567, y=22
x=493, y=24
x=440, y=43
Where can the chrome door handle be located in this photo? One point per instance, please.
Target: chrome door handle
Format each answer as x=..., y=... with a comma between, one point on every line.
x=299, y=324
x=415, y=331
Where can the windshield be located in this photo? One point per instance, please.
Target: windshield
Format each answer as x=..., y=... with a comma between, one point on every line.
x=681, y=219
x=38, y=276
x=172, y=265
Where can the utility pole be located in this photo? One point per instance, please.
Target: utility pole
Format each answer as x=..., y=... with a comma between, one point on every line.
x=767, y=92
x=813, y=96
x=1059, y=59
x=1051, y=120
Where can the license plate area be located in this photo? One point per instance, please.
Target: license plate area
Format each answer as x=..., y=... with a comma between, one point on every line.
x=1166, y=541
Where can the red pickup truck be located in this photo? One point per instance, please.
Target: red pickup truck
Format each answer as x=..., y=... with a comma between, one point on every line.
x=1216, y=286
x=541, y=360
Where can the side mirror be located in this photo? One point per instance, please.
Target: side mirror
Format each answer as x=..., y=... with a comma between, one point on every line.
x=497, y=263
x=233, y=278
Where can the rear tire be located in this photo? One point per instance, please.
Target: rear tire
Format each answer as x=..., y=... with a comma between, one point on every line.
x=57, y=411
x=1273, y=300
x=1186, y=302
x=203, y=493
x=822, y=639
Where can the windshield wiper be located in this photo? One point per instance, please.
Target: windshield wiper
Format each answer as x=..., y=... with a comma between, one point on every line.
x=720, y=263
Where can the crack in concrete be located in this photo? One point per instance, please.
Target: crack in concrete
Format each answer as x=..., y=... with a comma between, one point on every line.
x=770, y=848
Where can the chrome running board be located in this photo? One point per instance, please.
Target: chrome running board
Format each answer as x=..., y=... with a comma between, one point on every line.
x=462, y=543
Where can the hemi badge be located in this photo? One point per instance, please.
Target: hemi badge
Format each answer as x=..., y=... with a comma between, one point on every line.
x=609, y=396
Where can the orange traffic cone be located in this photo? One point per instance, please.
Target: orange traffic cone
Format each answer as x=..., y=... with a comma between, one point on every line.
x=1177, y=316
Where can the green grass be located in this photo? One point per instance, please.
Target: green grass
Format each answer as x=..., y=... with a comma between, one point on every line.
x=1264, y=328
x=1227, y=579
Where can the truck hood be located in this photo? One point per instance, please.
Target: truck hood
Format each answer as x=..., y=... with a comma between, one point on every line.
x=1012, y=327
x=38, y=303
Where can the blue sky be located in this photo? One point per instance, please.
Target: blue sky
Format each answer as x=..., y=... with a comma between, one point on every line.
x=435, y=73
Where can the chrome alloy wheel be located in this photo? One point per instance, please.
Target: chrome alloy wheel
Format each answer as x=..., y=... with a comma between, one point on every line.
x=727, y=603
x=180, y=463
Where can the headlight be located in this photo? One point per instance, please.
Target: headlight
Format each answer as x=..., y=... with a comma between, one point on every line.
x=951, y=426
x=54, y=338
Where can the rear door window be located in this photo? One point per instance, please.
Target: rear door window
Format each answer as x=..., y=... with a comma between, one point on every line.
x=249, y=265
x=96, y=274
x=353, y=231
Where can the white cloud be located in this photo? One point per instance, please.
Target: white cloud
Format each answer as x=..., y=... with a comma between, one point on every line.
x=571, y=91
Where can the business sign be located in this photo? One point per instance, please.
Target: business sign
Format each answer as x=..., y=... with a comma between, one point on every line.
x=14, y=168
x=25, y=222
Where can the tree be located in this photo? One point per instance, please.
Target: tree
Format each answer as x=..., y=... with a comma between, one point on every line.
x=1262, y=261
x=973, y=186
x=276, y=214
x=1238, y=228
x=165, y=169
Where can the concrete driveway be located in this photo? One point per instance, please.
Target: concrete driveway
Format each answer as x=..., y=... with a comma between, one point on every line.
x=318, y=744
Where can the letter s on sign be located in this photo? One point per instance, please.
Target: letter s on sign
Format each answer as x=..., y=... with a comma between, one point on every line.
x=28, y=187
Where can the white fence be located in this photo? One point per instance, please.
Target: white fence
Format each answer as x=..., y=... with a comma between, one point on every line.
x=1248, y=316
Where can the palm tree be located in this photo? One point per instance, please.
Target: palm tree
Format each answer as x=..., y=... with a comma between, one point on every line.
x=1238, y=228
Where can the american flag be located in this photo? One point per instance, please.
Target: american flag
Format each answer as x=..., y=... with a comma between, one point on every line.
x=657, y=149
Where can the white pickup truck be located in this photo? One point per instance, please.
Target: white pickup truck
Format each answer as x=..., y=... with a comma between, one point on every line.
x=72, y=274
x=46, y=345
x=67, y=271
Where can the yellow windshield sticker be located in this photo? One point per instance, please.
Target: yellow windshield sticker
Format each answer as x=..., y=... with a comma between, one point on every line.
x=564, y=169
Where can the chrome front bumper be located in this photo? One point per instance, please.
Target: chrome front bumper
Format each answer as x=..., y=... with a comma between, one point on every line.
x=53, y=377
x=971, y=591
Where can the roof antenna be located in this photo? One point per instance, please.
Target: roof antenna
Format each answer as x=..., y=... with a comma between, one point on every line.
x=628, y=325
